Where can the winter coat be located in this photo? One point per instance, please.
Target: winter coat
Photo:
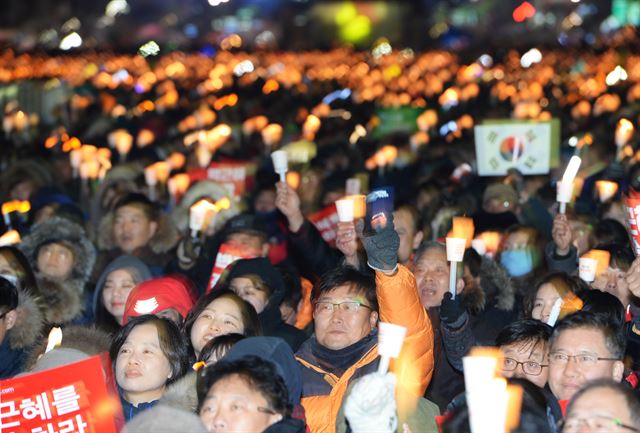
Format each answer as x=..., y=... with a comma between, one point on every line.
x=183, y=393
x=131, y=411
x=156, y=254
x=324, y=387
x=287, y=425
x=311, y=253
x=20, y=339
x=489, y=307
x=62, y=301
x=102, y=316
x=555, y=263
x=270, y=318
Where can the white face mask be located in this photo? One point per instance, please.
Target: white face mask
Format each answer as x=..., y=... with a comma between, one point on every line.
x=12, y=279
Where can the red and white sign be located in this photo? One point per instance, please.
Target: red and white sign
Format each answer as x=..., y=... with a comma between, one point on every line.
x=326, y=221
x=632, y=205
x=227, y=254
x=237, y=177
x=68, y=399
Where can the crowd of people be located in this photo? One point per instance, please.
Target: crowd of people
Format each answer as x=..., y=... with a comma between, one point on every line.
x=263, y=321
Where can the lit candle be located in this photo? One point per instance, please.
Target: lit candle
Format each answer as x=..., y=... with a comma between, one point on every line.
x=11, y=237
x=624, y=132
x=455, y=253
x=272, y=134
x=122, y=141
x=606, y=189
x=293, y=179
x=565, y=189
x=178, y=185
x=463, y=227
x=145, y=137
x=176, y=160
x=54, y=340
x=199, y=215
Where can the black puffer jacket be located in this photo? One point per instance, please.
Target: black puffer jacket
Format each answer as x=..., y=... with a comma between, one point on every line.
x=270, y=318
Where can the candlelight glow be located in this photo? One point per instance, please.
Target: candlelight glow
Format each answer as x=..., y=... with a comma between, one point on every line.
x=293, y=179
x=602, y=257
x=624, y=132
x=463, y=227
x=176, y=160
x=272, y=134
x=54, y=340
x=16, y=206
x=178, y=184
x=11, y=237
x=491, y=241
x=606, y=189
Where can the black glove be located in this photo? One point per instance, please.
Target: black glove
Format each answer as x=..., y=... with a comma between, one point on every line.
x=381, y=247
x=188, y=251
x=451, y=310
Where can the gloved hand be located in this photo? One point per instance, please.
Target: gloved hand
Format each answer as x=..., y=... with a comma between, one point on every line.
x=381, y=247
x=189, y=249
x=451, y=310
x=370, y=405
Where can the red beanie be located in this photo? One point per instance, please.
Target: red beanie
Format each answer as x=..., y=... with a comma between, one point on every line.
x=158, y=294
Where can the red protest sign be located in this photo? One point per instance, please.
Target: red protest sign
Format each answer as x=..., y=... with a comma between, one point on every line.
x=68, y=399
x=326, y=221
x=237, y=177
x=632, y=206
x=227, y=254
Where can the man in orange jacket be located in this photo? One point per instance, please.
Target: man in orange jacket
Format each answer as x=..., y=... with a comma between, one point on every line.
x=347, y=307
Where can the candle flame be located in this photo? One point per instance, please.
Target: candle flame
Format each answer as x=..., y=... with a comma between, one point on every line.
x=464, y=228
x=54, y=340
x=16, y=206
x=602, y=257
x=624, y=132
x=11, y=237
x=606, y=189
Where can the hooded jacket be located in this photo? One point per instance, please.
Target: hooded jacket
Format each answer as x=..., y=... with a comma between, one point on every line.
x=270, y=318
x=123, y=262
x=62, y=301
x=276, y=351
x=324, y=390
x=20, y=339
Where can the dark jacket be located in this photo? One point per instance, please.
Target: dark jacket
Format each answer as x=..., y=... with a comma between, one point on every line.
x=270, y=318
x=287, y=425
x=311, y=253
x=555, y=263
x=20, y=339
x=130, y=410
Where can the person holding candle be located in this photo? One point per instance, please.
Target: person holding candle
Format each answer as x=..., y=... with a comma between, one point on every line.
x=136, y=226
x=148, y=354
x=548, y=291
x=62, y=258
x=347, y=304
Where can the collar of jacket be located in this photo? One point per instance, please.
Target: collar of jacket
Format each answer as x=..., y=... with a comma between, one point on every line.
x=337, y=362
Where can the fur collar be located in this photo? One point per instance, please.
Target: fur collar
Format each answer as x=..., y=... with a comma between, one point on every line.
x=496, y=288
x=165, y=239
x=29, y=321
x=61, y=302
x=182, y=393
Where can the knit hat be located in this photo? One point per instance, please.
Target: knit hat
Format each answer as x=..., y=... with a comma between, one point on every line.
x=500, y=192
x=156, y=295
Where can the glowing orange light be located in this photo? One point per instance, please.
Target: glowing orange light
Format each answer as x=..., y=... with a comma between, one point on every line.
x=523, y=12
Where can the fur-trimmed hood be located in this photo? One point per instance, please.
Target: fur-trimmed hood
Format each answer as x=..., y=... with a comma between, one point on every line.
x=496, y=288
x=60, y=301
x=182, y=394
x=58, y=229
x=165, y=238
x=89, y=340
x=204, y=189
x=28, y=326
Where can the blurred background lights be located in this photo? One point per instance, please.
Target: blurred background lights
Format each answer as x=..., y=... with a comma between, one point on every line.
x=530, y=57
x=70, y=41
x=116, y=7
x=217, y=2
x=618, y=74
x=151, y=48
x=242, y=68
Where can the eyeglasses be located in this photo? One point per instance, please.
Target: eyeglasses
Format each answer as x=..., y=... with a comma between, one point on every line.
x=325, y=307
x=583, y=360
x=596, y=423
x=529, y=367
